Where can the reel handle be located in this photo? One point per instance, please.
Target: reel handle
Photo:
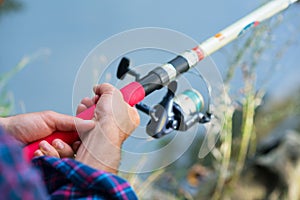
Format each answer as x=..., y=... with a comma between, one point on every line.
x=133, y=93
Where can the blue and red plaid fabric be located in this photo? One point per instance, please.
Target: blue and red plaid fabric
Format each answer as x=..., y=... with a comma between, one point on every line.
x=67, y=178
x=18, y=180
x=60, y=179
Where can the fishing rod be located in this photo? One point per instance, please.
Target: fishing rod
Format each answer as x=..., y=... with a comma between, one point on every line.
x=170, y=114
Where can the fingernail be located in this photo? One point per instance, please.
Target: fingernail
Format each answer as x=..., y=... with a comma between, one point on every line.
x=45, y=146
x=59, y=145
x=38, y=153
x=83, y=121
x=86, y=125
x=94, y=87
x=88, y=121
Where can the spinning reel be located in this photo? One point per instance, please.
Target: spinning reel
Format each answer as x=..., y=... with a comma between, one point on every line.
x=173, y=112
x=179, y=112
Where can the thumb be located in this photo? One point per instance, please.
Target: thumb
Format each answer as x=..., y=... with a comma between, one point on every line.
x=61, y=122
x=83, y=126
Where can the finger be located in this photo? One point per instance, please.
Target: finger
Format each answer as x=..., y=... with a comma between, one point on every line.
x=80, y=108
x=47, y=149
x=104, y=88
x=76, y=146
x=63, y=149
x=88, y=102
x=95, y=98
x=38, y=153
x=61, y=122
x=83, y=126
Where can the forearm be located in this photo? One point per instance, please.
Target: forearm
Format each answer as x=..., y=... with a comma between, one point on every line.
x=18, y=126
x=108, y=154
x=4, y=123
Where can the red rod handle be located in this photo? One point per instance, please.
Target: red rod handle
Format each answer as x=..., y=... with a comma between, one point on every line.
x=133, y=93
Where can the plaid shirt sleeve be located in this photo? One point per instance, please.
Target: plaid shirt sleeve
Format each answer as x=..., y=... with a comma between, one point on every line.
x=63, y=178
x=68, y=179
x=18, y=180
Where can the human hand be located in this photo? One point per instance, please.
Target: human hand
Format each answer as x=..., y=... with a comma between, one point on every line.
x=30, y=127
x=59, y=148
x=115, y=121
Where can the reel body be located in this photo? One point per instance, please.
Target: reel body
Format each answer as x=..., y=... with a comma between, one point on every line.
x=174, y=112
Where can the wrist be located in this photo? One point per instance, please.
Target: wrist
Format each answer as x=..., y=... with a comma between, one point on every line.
x=108, y=161
x=101, y=148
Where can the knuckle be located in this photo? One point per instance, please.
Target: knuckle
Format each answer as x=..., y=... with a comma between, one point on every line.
x=48, y=113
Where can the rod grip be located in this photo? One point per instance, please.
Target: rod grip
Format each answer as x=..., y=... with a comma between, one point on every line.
x=133, y=93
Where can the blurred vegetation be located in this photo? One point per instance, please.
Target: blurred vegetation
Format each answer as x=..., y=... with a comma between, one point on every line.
x=247, y=120
x=6, y=97
x=249, y=117
x=8, y=6
x=7, y=102
x=240, y=137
